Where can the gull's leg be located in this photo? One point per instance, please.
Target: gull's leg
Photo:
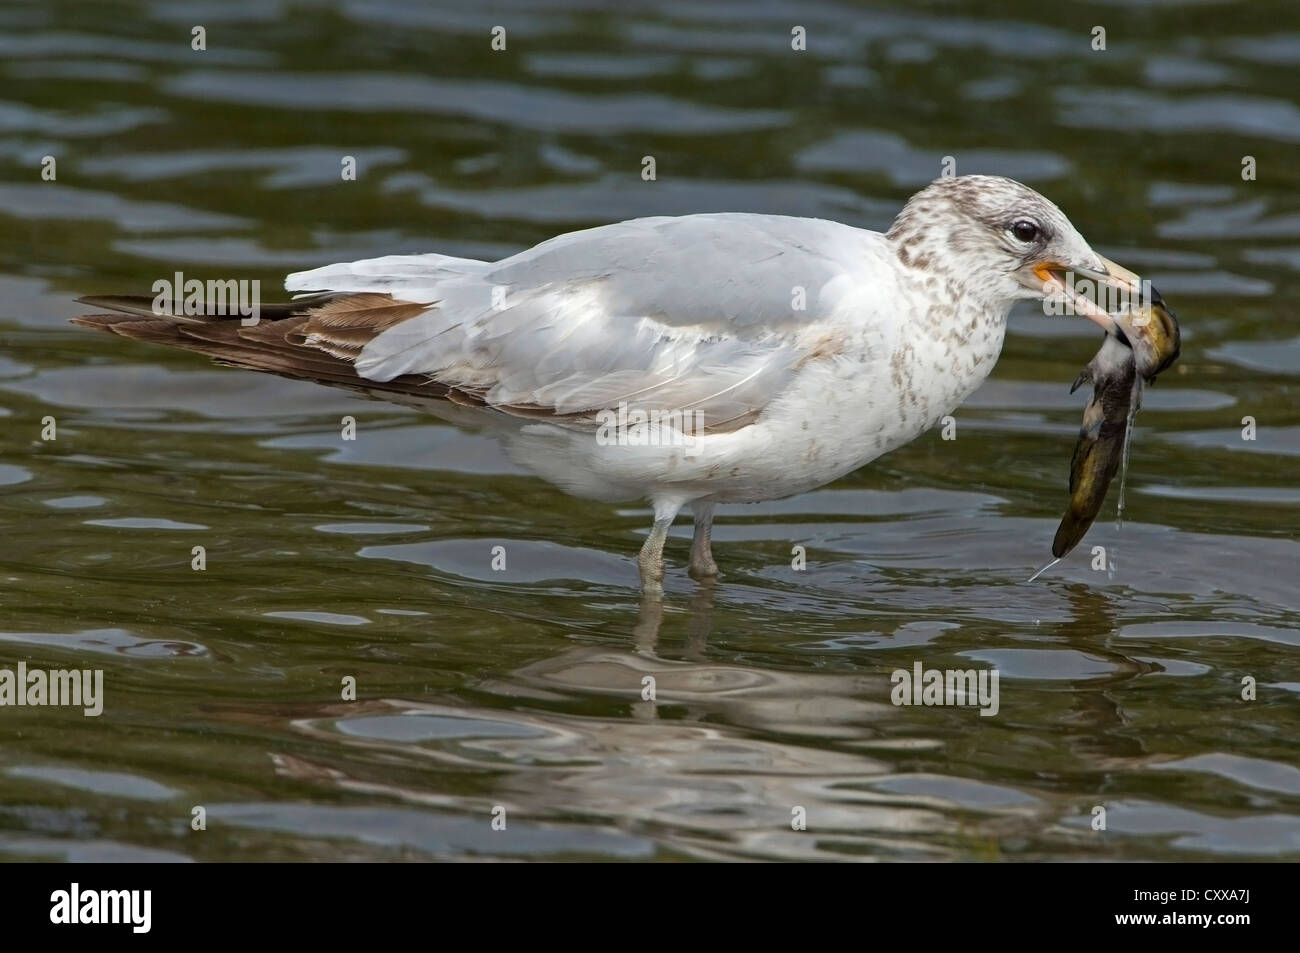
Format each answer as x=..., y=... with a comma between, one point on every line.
x=702, y=564
x=651, y=559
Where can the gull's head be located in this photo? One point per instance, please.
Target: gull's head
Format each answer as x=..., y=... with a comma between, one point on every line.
x=1004, y=241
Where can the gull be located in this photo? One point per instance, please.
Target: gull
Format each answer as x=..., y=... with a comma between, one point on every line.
x=684, y=361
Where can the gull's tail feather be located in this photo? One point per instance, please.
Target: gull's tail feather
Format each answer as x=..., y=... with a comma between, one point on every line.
x=315, y=338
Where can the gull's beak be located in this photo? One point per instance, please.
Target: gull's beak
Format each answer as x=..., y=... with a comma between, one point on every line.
x=1115, y=282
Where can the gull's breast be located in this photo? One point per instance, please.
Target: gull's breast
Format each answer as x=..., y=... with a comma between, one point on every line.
x=870, y=390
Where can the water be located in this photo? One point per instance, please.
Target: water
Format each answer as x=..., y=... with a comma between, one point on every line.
x=522, y=689
x=1133, y=409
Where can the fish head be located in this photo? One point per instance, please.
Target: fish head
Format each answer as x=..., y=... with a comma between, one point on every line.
x=1151, y=330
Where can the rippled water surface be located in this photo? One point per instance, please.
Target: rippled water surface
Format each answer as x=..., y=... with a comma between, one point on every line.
x=1120, y=687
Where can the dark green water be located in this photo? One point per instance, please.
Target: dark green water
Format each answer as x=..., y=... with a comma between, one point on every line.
x=370, y=558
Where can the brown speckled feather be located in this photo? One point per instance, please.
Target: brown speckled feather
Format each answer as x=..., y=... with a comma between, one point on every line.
x=316, y=339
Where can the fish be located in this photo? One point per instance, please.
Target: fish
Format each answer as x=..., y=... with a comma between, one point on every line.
x=1145, y=343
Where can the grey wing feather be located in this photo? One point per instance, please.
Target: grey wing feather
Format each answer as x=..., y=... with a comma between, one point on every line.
x=699, y=312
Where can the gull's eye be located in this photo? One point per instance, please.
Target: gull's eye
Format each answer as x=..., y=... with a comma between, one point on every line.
x=1024, y=230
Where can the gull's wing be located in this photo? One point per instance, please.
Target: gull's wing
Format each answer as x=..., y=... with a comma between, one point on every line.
x=708, y=313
